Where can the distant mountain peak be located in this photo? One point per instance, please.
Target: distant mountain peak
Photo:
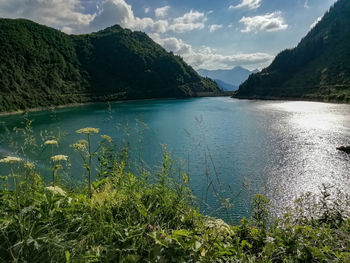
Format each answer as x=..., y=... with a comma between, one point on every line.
x=239, y=68
x=234, y=76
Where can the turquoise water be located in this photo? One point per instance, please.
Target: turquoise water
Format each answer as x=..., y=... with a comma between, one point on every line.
x=237, y=147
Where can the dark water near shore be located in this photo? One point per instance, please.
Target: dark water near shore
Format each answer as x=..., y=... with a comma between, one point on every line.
x=281, y=149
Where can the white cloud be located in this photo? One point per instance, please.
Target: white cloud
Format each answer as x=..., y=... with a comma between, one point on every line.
x=190, y=17
x=251, y=4
x=306, y=4
x=190, y=21
x=113, y=12
x=69, y=16
x=55, y=13
x=160, y=26
x=208, y=58
x=147, y=10
x=162, y=11
x=316, y=22
x=270, y=22
x=182, y=28
x=172, y=44
x=119, y=12
x=214, y=27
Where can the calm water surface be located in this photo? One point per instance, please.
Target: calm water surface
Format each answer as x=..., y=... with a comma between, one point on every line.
x=279, y=148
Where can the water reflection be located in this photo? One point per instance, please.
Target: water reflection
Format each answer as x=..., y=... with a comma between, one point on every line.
x=304, y=139
x=282, y=149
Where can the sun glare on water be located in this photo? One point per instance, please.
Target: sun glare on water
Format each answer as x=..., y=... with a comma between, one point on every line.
x=305, y=137
x=312, y=115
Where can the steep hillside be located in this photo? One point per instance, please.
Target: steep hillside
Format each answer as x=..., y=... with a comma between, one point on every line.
x=38, y=67
x=318, y=68
x=41, y=67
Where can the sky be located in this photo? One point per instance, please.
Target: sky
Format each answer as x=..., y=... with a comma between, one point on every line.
x=208, y=34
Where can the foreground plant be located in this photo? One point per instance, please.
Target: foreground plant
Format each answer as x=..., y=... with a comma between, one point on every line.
x=84, y=147
x=151, y=217
x=127, y=220
x=12, y=162
x=57, y=165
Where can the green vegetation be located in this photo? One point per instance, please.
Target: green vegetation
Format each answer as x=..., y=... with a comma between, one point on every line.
x=150, y=217
x=42, y=67
x=317, y=69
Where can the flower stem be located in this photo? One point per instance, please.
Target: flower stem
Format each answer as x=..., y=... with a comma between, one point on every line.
x=89, y=167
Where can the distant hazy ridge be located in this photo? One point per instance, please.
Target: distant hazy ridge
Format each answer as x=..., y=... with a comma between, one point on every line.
x=228, y=79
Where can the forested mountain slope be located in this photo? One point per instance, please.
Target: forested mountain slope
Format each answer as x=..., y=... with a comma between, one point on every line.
x=41, y=67
x=318, y=68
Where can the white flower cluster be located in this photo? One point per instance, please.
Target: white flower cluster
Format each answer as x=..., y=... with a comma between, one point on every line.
x=88, y=130
x=218, y=226
x=56, y=190
x=107, y=138
x=29, y=165
x=58, y=158
x=10, y=159
x=51, y=142
x=80, y=145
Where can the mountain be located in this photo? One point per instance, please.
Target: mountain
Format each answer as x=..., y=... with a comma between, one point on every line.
x=317, y=69
x=233, y=77
x=225, y=86
x=41, y=67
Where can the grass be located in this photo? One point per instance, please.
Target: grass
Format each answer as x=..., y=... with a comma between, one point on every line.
x=152, y=217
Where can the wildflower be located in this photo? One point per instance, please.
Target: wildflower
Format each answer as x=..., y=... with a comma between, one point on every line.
x=150, y=227
x=163, y=235
x=29, y=165
x=80, y=145
x=58, y=158
x=269, y=240
x=218, y=225
x=51, y=142
x=10, y=159
x=56, y=190
x=88, y=130
x=107, y=138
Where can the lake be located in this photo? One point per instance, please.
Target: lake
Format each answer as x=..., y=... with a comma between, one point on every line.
x=231, y=148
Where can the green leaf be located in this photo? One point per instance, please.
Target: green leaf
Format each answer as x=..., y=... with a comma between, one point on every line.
x=182, y=232
x=317, y=253
x=245, y=243
x=67, y=254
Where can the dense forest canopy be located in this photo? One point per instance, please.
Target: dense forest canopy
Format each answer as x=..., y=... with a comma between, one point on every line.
x=41, y=67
